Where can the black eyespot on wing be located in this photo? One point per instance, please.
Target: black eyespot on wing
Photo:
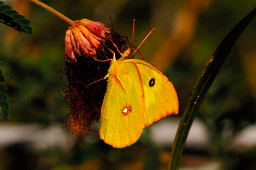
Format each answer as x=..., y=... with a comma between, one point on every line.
x=152, y=82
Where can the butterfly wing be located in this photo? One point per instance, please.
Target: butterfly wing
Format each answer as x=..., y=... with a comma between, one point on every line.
x=122, y=112
x=160, y=95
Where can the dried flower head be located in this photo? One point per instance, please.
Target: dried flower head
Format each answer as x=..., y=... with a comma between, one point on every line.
x=83, y=38
x=88, y=44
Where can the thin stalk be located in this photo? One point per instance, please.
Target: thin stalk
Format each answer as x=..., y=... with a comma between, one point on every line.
x=55, y=12
x=203, y=85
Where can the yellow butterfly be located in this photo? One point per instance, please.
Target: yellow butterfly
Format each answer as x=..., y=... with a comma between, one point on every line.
x=137, y=95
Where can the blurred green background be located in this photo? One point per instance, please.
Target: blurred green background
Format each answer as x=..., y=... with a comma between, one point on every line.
x=187, y=32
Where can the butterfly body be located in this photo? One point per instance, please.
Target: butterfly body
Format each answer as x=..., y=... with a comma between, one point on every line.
x=137, y=95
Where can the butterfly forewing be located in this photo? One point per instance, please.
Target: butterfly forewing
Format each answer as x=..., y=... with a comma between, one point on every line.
x=122, y=112
x=160, y=95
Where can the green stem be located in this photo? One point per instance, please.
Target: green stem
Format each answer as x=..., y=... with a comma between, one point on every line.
x=206, y=80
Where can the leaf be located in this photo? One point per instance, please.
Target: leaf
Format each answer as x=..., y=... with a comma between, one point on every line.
x=203, y=85
x=4, y=104
x=13, y=19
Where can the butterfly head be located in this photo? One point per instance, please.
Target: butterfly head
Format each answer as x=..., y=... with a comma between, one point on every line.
x=114, y=62
x=126, y=53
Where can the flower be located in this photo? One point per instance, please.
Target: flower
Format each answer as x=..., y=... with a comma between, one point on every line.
x=83, y=38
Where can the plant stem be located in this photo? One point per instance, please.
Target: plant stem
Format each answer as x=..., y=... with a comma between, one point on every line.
x=55, y=12
x=203, y=85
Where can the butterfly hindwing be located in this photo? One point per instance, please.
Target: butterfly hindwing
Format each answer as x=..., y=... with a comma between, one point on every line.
x=160, y=95
x=122, y=112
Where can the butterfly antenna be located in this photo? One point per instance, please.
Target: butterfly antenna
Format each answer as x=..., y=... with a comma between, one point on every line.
x=133, y=29
x=115, y=47
x=132, y=39
x=146, y=37
x=138, y=51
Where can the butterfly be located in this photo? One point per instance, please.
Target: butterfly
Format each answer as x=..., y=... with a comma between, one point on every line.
x=137, y=95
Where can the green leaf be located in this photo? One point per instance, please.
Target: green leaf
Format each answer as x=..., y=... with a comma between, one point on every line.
x=203, y=85
x=4, y=104
x=13, y=19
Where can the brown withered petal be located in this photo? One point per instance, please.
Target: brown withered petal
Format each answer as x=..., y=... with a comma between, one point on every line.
x=74, y=44
x=69, y=47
